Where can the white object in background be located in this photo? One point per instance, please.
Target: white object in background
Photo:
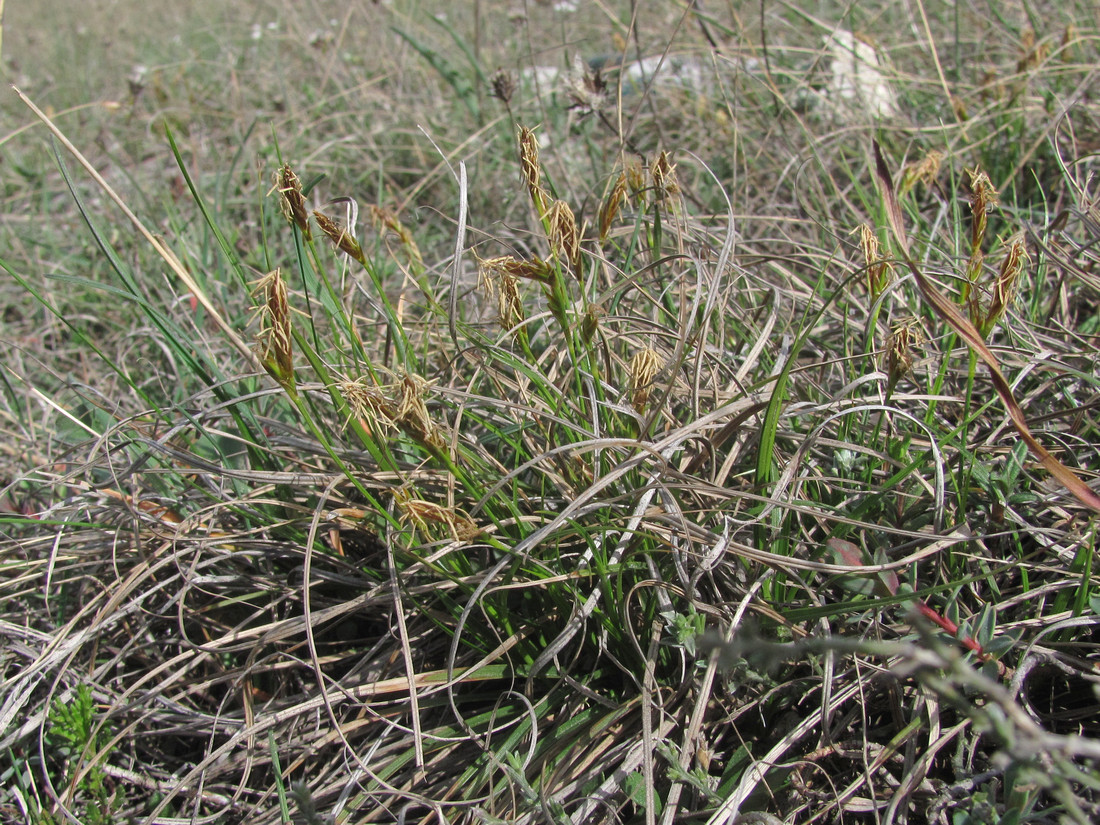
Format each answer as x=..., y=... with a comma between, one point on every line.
x=857, y=83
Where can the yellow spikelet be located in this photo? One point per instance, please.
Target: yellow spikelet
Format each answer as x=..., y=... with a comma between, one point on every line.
x=532, y=171
x=924, y=171
x=982, y=197
x=495, y=276
x=412, y=412
x=565, y=237
x=877, y=267
x=590, y=324
x=422, y=514
x=1006, y=283
x=609, y=209
x=644, y=367
x=368, y=404
x=529, y=269
x=666, y=188
x=276, y=334
x=291, y=200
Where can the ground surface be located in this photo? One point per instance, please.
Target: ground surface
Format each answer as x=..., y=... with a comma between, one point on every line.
x=611, y=412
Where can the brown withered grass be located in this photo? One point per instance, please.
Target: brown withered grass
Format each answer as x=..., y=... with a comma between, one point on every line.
x=741, y=485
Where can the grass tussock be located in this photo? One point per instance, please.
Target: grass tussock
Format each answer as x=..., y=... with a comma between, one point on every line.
x=678, y=433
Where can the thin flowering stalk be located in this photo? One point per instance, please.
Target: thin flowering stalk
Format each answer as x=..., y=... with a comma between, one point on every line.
x=560, y=225
x=305, y=412
x=387, y=223
x=383, y=218
x=982, y=197
x=346, y=243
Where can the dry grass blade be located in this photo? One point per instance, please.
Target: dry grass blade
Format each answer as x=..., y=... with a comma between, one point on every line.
x=162, y=250
x=967, y=331
x=707, y=531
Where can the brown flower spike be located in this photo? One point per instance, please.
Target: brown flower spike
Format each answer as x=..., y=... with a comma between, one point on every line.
x=291, y=200
x=276, y=334
x=339, y=236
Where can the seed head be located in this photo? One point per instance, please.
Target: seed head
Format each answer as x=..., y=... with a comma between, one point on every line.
x=665, y=185
x=609, y=209
x=529, y=165
x=958, y=107
x=982, y=197
x=367, y=403
x=399, y=405
x=565, y=237
x=877, y=267
x=276, y=335
x=904, y=337
x=421, y=513
x=1006, y=283
x=531, y=269
x=635, y=180
x=509, y=307
x=1032, y=55
x=499, y=278
x=587, y=89
x=496, y=276
x=412, y=413
x=291, y=200
x=924, y=171
x=590, y=324
x=339, y=236
x=504, y=85
x=644, y=367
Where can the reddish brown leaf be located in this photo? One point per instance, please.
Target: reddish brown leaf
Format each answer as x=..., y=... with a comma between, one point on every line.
x=966, y=330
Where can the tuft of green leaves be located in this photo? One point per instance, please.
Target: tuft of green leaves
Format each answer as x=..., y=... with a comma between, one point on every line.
x=78, y=738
